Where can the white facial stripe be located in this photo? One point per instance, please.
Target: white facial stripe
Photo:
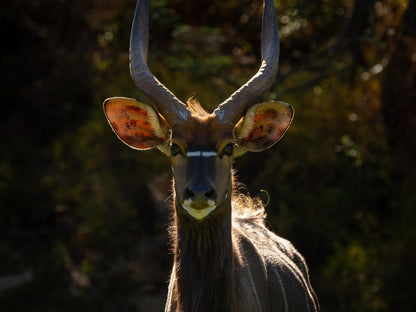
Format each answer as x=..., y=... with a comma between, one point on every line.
x=209, y=154
x=193, y=154
x=201, y=154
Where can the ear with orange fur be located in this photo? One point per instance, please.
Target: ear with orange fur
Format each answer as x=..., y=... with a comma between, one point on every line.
x=136, y=124
x=263, y=125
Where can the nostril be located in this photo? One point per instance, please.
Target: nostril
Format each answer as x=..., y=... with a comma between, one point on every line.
x=189, y=193
x=209, y=193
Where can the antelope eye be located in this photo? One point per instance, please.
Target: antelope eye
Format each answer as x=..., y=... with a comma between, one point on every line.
x=228, y=149
x=175, y=149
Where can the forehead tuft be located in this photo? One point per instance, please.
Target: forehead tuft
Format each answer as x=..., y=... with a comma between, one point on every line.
x=196, y=109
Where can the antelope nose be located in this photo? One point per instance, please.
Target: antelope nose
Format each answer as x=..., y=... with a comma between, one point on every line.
x=198, y=192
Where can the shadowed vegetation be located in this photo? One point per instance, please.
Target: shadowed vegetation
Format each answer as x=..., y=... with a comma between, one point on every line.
x=82, y=217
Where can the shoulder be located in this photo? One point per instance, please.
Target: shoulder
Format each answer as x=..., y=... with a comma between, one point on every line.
x=254, y=232
x=249, y=227
x=282, y=265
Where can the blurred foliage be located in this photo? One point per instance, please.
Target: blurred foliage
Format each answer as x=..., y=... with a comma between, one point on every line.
x=82, y=222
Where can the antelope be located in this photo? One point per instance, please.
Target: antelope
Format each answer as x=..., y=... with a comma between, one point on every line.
x=225, y=259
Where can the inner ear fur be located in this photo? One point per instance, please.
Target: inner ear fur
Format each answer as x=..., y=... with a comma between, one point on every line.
x=136, y=124
x=263, y=125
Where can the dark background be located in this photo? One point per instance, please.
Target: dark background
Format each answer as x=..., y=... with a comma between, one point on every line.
x=83, y=218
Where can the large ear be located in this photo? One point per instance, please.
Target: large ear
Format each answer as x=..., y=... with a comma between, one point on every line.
x=263, y=125
x=136, y=124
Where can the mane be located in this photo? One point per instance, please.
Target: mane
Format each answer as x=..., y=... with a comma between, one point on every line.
x=247, y=208
x=195, y=107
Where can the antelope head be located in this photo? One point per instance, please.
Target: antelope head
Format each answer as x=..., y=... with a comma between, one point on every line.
x=201, y=145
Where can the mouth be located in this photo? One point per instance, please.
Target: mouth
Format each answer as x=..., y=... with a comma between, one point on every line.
x=199, y=213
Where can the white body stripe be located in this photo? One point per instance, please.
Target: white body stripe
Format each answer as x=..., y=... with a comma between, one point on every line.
x=201, y=154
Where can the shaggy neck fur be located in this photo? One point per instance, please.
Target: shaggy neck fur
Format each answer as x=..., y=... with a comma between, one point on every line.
x=204, y=261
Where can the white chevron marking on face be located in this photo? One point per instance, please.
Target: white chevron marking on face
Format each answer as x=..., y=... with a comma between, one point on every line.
x=201, y=154
x=209, y=154
x=193, y=154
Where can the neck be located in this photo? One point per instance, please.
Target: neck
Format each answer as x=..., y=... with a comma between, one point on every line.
x=204, y=261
